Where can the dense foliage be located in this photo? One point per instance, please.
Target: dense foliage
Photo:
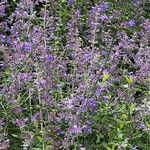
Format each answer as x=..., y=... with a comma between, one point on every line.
x=74, y=75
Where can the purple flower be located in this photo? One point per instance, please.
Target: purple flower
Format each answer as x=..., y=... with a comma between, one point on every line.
x=24, y=76
x=115, y=56
x=2, y=38
x=76, y=129
x=92, y=103
x=104, y=6
x=106, y=99
x=141, y=126
x=17, y=110
x=60, y=132
x=104, y=52
x=50, y=58
x=2, y=10
x=87, y=128
x=103, y=18
x=73, y=41
x=37, y=116
x=5, y=145
x=70, y=2
x=70, y=103
x=21, y=122
x=131, y=23
x=147, y=27
x=98, y=91
x=27, y=47
x=83, y=107
x=41, y=82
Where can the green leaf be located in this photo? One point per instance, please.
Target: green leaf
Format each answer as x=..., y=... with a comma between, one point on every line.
x=124, y=117
x=14, y=135
x=63, y=1
x=128, y=79
x=105, y=77
x=39, y=138
x=106, y=146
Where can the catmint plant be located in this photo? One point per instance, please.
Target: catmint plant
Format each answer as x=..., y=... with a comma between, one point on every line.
x=74, y=75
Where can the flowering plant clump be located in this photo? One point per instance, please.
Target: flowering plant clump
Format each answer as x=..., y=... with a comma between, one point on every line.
x=74, y=75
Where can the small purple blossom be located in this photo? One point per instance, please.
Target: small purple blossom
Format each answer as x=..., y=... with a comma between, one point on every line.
x=4, y=145
x=98, y=91
x=104, y=52
x=2, y=10
x=37, y=117
x=21, y=122
x=27, y=47
x=2, y=38
x=50, y=58
x=76, y=129
x=17, y=110
x=106, y=99
x=87, y=128
x=60, y=132
x=115, y=56
x=24, y=77
x=70, y=103
x=103, y=18
x=92, y=103
x=70, y=2
x=41, y=82
x=131, y=23
x=104, y=6
x=142, y=126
